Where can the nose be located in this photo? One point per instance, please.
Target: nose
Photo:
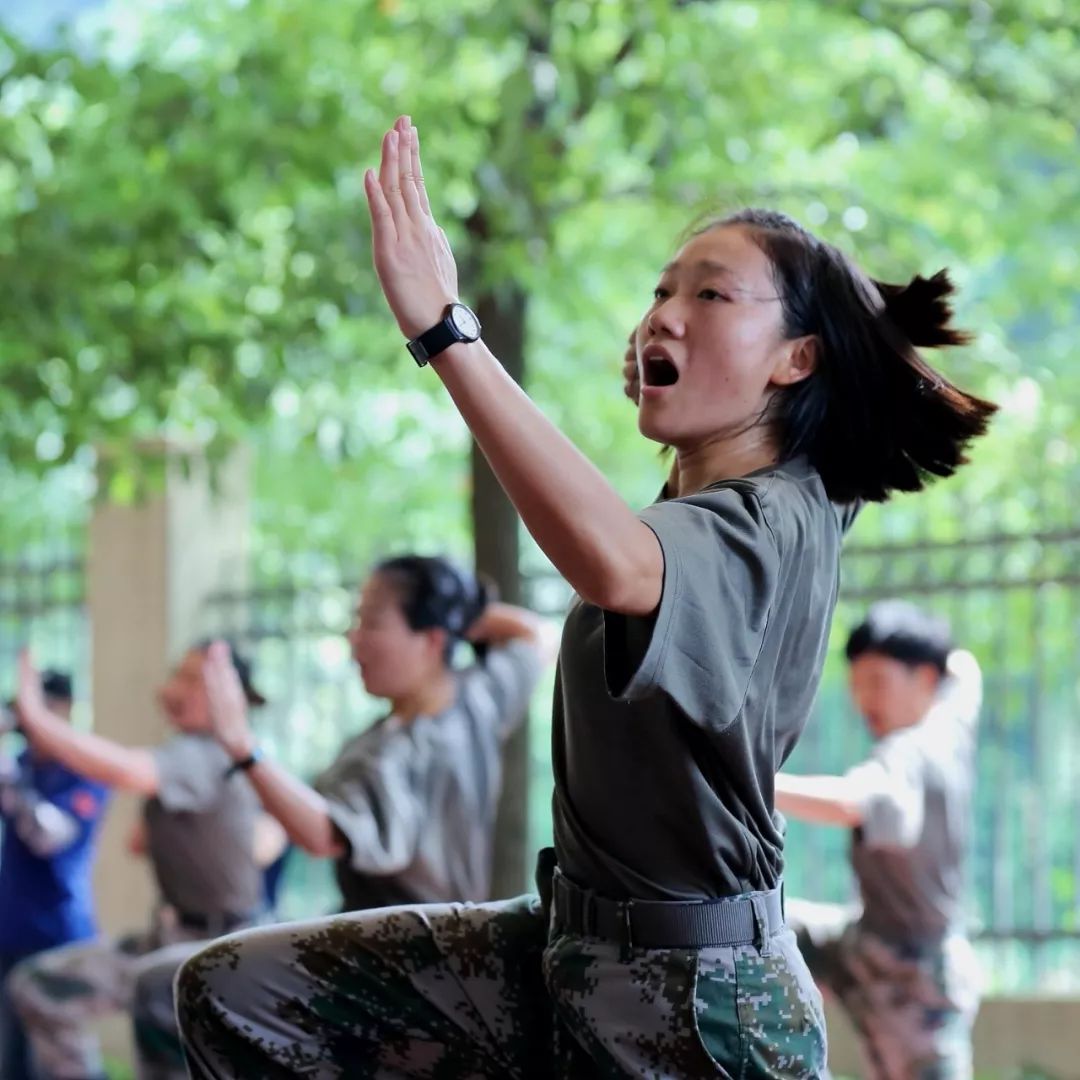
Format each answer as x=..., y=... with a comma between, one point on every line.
x=666, y=318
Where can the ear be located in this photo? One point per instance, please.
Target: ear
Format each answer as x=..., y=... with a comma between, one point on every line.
x=929, y=678
x=436, y=642
x=797, y=361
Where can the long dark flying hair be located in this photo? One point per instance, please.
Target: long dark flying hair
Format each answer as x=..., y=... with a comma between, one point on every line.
x=874, y=417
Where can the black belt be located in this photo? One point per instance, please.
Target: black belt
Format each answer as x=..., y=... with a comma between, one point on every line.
x=223, y=922
x=749, y=919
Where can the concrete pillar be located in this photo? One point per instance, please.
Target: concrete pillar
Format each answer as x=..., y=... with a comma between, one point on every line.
x=150, y=569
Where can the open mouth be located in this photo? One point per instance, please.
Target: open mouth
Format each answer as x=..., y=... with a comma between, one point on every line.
x=659, y=371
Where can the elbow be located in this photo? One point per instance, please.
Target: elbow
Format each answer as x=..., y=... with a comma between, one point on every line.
x=621, y=588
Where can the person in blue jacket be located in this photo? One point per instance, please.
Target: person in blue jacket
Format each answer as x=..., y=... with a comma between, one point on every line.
x=50, y=821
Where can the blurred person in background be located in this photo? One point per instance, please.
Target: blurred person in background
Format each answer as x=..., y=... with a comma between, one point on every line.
x=50, y=818
x=901, y=964
x=407, y=809
x=202, y=832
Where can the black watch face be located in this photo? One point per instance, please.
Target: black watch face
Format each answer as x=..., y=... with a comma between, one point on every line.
x=465, y=322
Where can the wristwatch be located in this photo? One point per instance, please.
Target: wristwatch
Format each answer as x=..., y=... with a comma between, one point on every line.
x=458, y=324
x=244, y=764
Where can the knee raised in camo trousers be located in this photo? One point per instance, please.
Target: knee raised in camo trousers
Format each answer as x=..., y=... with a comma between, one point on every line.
x=469, y=992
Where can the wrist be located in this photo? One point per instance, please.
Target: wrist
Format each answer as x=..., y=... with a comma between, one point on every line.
x=245, y=763
x=240, y=748
x=454, y=324
x=437, y=313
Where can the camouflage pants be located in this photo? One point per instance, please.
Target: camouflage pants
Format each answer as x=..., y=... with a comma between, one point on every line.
x=470, y=992
x=912, y=1007
x=60, y=992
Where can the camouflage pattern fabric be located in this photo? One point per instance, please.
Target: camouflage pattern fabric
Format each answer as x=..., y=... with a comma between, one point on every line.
x=470, y=992
x=59, y=993
x=912, y=1005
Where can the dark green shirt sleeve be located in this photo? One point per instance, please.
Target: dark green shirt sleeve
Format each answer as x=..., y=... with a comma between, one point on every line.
x=721, y=574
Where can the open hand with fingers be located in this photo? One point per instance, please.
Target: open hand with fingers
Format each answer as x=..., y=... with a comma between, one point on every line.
x=413, y=259
x=226, y=702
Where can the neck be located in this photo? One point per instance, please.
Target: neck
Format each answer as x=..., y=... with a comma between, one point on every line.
x=430, y=699
x=723, y=457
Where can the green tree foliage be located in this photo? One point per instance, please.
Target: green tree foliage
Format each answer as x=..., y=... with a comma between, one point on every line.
x=184, y=245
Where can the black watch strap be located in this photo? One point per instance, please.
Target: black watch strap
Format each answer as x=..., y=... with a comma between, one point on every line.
x=244, y=764
x=432, y=342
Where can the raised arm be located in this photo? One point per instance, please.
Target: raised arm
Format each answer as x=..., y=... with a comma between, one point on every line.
x=93, y=756
x=587, y=531
x=299, y=808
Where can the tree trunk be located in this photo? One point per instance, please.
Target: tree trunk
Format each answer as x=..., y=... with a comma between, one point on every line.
x=496, y=541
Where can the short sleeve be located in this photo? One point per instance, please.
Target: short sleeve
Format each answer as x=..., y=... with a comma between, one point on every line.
x=498, y=688
x=721, y=567
x=371, y=800
x=191, y=771
x=888, y=788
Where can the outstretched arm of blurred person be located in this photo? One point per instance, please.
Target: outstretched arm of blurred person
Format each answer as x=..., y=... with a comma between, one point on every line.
x=300, y=809
x=823, y=800
x=93, y=756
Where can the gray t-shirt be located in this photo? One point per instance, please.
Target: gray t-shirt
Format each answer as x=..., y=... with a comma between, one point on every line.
x=416, y=802
x=668, y=731
x=916, y=788
x=200, y=830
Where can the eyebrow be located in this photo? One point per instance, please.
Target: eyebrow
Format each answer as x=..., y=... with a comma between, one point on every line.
x=710, y=265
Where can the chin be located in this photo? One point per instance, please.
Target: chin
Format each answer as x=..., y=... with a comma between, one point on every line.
x=655, y=429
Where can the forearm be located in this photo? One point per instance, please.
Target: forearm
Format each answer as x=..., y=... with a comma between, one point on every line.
x=300, y=809
x=502, y=624
x=588, y=532
x=823, y=800
x=92, y=756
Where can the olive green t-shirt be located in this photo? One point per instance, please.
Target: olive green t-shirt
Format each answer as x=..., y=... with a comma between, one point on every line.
x=415, y=803
x=669, y=730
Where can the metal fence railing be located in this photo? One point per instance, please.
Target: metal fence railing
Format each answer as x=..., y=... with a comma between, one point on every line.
x=42, y=605
x=1013, y=598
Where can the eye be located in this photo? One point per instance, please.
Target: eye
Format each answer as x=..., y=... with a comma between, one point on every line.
x=712, y=294
x=660, y=293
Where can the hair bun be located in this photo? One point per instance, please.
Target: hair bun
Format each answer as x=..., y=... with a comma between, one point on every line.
x=921, y=310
